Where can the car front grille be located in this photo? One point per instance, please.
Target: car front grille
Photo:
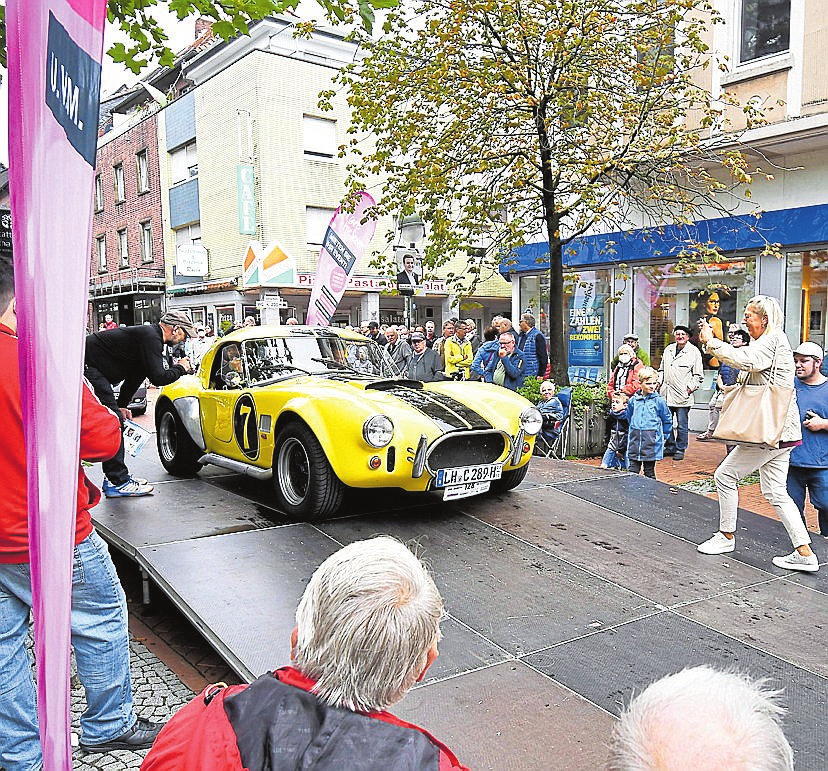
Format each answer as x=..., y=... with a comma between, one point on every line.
x=467, y=448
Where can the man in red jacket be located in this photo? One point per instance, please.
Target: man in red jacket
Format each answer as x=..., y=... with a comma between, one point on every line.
x=99, y=617
x=367, y=629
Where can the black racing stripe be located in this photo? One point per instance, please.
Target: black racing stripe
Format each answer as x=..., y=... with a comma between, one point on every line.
x=449, y=413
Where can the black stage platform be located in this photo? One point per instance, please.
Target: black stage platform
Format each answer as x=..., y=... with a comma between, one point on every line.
x=565, y=597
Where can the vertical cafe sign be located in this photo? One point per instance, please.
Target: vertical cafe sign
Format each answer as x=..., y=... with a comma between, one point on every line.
x=586, y=331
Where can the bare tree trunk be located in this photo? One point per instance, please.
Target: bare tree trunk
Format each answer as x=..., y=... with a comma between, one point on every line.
x=558, y=322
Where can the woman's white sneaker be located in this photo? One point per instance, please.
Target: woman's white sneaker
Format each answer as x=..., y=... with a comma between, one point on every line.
x=718, y=544
x=796, y=561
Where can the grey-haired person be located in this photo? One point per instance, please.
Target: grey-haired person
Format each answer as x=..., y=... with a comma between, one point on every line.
x=701, y=718
x=367, y=630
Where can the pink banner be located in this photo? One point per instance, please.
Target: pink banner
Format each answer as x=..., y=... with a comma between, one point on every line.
x=54, y=55
x=346, y=241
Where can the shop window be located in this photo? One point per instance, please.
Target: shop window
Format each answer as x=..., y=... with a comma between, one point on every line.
x=765, y=28
x=664, y=297
x=806, y=297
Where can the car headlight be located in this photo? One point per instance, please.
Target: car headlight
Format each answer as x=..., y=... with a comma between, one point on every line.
x=531, y=420
x=379, y=430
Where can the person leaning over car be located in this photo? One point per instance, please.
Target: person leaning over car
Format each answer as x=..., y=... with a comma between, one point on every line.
x=132, y=354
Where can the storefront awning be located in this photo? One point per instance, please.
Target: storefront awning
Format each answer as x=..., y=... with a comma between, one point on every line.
x=788, y=227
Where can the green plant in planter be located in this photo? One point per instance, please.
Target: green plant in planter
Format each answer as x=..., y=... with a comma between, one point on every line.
x=585, y=396
x=531, y=389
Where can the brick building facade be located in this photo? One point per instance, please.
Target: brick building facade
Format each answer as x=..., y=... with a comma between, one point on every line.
x=127, y=256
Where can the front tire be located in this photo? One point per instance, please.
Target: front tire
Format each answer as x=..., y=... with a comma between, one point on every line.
x=177, y=451
x=305, y=484
x=510, y=479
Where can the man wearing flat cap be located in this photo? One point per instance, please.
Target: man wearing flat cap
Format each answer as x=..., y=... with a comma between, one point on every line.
x=631, y=339
x=130, y=354
x=808, y=471
x=681, y=373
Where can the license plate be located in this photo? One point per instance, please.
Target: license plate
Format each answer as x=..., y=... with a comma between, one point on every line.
x=464, y=475
x=464, y=491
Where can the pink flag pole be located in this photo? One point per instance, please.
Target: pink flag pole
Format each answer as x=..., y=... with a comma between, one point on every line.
x=54, y=54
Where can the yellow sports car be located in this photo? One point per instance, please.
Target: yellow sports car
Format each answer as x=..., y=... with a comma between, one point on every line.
x=318, y=409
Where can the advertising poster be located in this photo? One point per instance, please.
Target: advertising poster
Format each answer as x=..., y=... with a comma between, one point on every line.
x=346, y=241
x=717, y=307
x=586, y=327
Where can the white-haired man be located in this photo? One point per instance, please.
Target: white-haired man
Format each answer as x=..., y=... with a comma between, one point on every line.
x=704, y=720
x=367, y=629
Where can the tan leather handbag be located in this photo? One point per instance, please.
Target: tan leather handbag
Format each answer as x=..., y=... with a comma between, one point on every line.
x=754, y=414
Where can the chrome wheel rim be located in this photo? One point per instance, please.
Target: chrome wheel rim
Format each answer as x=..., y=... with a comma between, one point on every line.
x=167, y=437
x=293, y=468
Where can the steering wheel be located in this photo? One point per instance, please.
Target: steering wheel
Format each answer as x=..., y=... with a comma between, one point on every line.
x=232, y=379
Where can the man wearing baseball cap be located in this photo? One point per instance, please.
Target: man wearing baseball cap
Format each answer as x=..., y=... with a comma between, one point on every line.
x=130, y=354
x=631, y=339
x=808, y=470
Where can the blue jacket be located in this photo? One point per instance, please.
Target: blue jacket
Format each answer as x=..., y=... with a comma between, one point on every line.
x=515, y=366
x=484, y=355
x=529, y=342
x=650, y=423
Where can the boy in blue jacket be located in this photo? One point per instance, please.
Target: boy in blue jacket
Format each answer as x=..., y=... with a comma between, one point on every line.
x=650, y=423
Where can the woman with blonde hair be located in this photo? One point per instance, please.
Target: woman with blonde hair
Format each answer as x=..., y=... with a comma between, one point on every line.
x=768, y=359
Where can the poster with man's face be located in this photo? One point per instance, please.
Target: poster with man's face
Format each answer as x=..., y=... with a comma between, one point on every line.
x=409, y=276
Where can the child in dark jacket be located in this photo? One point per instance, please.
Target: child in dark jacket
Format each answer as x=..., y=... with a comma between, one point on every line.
x=650, y=423
x=616, y=454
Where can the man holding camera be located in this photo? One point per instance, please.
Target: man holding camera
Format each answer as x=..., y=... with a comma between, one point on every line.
x=809, y=460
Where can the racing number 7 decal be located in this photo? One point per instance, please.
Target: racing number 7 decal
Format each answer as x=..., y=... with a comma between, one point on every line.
x=245, y=426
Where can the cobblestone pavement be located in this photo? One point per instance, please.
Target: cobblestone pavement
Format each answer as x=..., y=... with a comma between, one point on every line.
x=157, y=693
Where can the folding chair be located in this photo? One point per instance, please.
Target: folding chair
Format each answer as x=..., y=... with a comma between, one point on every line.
x=554, y=443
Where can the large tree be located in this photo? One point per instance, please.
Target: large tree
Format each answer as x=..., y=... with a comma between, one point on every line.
x=147, y=39
x=504, y=122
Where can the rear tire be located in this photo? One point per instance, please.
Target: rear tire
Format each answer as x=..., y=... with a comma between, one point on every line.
x=510, y=479
x=179, y=454
x=305, y=484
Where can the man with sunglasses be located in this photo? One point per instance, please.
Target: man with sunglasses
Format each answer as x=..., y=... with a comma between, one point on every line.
x=131, y=354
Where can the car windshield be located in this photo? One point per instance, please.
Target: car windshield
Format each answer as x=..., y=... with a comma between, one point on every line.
x=268, y=359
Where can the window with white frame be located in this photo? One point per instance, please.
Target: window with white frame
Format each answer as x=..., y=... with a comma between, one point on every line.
x=99, y=196
x=317, y=220
x=319, y=135
x=142, y=169
x=184, y=163
x=146, y=242
x=765, y=28
x=120, y=188
x=100, y=251
x=123, y=248
x=188, y=235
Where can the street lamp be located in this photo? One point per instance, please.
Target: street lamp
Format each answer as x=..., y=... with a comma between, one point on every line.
x=411, y=237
